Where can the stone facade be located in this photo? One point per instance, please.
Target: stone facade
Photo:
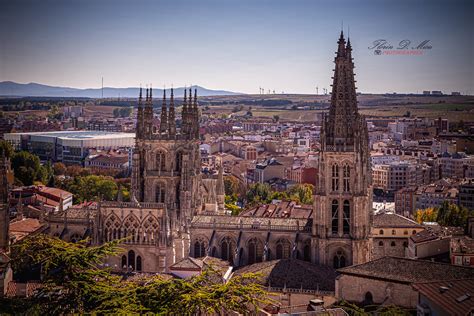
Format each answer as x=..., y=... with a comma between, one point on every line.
x=337, y=231
x=343, y=203
x=177, y=211
x=168, y=189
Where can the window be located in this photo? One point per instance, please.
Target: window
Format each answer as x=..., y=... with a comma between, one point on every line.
x=131, y=260
x=347, y=178
x=335, y=177
x=199, y=249
x=160, y=161
x=283, y=249
x=255, y=251
x=381, y=232
x=394, y=232
x=405, y=232
x=339, y=260
x=346, y=221
x=227, y=252
x=392, y=244
x=381, y=243
x=179, y=161
x=307, y=251
x=405, y=244
x=160, y=193
x=335, y=217
x=413, y=232
x=124, y=262
x=139, y=263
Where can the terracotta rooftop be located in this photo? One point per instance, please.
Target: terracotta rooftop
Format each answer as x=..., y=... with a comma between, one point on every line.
x=454, y=297
x=394, y=220
x=22, y=228
x=408, y=270
x=293, y=273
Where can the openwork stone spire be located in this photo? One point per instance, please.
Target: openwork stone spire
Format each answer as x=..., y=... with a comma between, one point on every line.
x=139, y=125
x=341, y=125
x=172, y=117
x=164, y=115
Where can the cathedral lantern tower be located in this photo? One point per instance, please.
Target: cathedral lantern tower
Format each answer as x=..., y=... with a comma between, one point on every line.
x=343, y=201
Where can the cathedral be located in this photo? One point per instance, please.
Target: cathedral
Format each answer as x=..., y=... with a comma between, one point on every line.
x=177, y=211
x=168, y=189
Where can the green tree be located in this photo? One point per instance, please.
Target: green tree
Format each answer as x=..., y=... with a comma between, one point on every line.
x=27, y=167
x=302, y=193
x=231, y=185
x=6, y=149
x=258, y=193
x=449, y=214
x=75, y=282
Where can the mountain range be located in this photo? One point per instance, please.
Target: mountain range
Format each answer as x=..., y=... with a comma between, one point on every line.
x=13, y=89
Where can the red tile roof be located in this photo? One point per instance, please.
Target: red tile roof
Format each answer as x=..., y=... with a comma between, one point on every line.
x=450, y=295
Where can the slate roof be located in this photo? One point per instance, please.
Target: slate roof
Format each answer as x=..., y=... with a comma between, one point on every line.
x=285, y=209
x=294, y=274
x=234, y=221
x=408, y=270
x=449, y=295
x=393, y=220
x=190, y=263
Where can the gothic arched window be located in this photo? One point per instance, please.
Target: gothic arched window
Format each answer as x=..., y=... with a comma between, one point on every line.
x=131, y=259
x=139, y=263
x=227, y=252
x=151, y=228
x=380, y=243
x=339, y=260
x=347, y=178
x=160, y=161
x=335, y=217
x=283, y=249
x=124, y=262
x=179, y=161
x=131, y=226
x=255, y=251
x=307, y=251
x=199, y=248
x=335, y=177
x=346, y=220
x=160, y=193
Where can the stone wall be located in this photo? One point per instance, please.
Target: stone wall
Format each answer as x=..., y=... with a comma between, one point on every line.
x=356, y=289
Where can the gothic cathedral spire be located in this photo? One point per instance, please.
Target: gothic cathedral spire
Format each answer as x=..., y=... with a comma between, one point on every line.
x=340, y=127
x=139, y=125
x=164, y=115
x=171, y=117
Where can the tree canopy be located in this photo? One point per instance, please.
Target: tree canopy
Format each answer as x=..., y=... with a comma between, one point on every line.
x=76, y=282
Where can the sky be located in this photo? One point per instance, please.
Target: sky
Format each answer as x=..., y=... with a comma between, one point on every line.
x=286, y=46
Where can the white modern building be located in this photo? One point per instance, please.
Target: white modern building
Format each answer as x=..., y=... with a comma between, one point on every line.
x=70, y=147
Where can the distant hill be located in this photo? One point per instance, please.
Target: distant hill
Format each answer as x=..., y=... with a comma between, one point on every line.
x=13, y=89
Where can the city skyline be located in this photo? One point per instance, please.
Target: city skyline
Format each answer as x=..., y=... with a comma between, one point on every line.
x=240, y=47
